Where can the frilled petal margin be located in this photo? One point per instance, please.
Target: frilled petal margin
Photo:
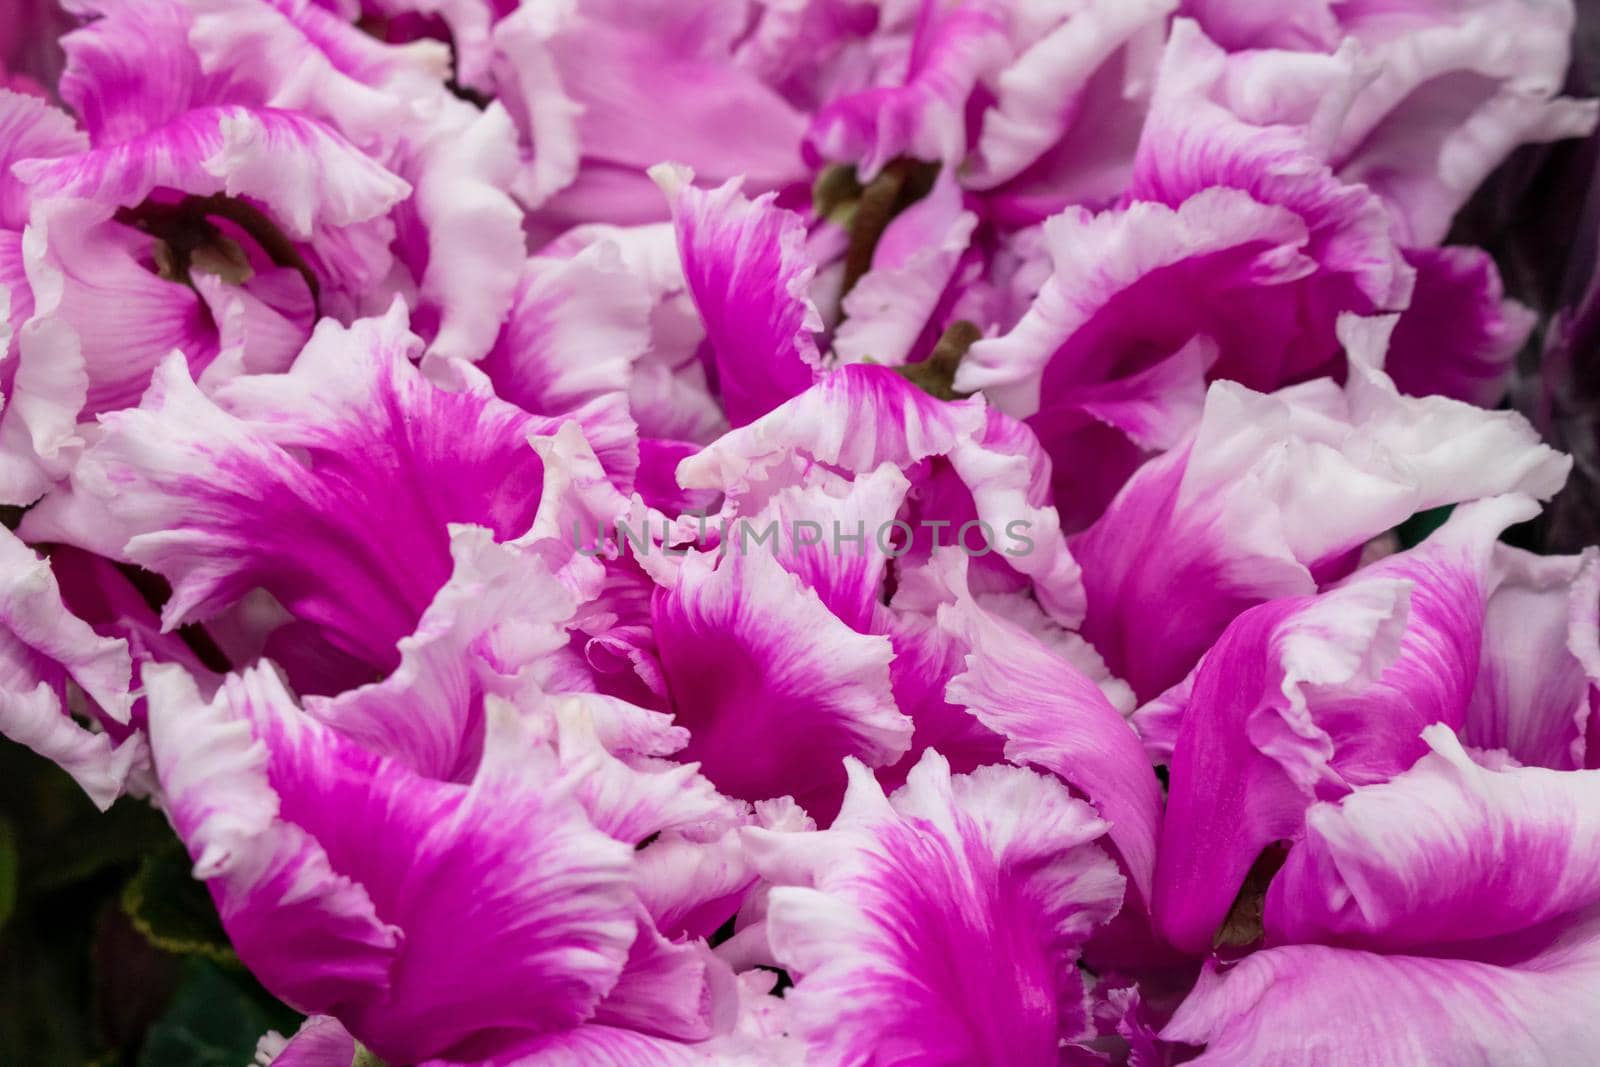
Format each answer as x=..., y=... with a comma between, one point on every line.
x=431, y=918
x=942, y=925
x=49, y=661
x=1303, y=699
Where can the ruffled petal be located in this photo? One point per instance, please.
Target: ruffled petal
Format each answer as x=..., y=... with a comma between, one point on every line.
x=131, y=70
x=473, y=229
x=941, y=926
x=1539, y=677
x=296, y=55
x=332, y=486
x=857, y=418
x=577, y=327
x=919, y=107
x=47, y=654
x=29, y=129
x=1306, y=698
x=746, y=266
x=1047, y=94
x=1055, y=718
x=774, y=690
x=1452, y=95
x=416, y=912
x=45, y=381
x=1308, y=1004
x=1135, y=285
x=92, y=276
x=1274, y=490
x=500, y=618
x=308, y=175
x=1447, y=853
x=989, y=485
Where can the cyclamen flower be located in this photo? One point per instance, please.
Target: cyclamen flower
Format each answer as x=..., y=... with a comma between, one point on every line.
x=761, y=532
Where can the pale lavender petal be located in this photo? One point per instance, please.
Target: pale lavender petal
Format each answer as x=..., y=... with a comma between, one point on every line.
x=1308, y=1005
x=1452, y=96
x=1540, y=671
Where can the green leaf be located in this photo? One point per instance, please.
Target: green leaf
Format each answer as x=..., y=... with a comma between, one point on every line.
x=173, y=910
x=8, y=871
x=365, y=1057
x=1418, y=528
x=101, y=842
x=215, y=1020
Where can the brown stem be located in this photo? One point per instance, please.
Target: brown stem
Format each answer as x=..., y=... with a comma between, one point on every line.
x=901, y=184
x=936, y=375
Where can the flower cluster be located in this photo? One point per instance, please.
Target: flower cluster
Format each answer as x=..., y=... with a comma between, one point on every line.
x=383, y=379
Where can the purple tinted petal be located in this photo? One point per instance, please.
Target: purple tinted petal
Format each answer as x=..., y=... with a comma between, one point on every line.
x=43, y=649
x=1309, y=1004
x=941, y=926
x=415, y=911
x=1055, y=718
x=1305, y=698
x=1447, y=852
x=774, y=689
x=747, y=269
x=359, y=460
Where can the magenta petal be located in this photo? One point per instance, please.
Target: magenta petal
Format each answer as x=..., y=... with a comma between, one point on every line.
x=361, y=462
x=415, y=911
x=1459, y=335
x=1447, y=853
x=746, y=266
x=775, y=690
x=1055, y=718
x=131, y=70
x=1303, y=699
x=941, y=926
